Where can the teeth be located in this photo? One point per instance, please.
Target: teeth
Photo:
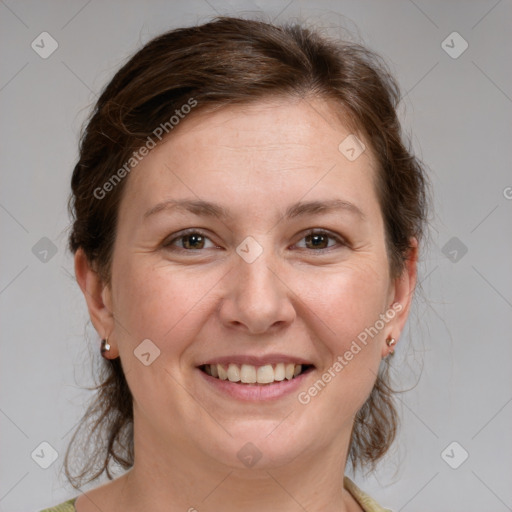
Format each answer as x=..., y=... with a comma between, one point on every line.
x=279, y=373
x=223, y=374
x=249, y=374
x=265, y=374
x=234, y=373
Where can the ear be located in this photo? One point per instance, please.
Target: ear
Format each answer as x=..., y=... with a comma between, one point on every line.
x=98, y=297
x=401, y=295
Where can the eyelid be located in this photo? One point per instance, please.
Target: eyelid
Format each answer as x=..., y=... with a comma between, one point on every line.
x=341, y=241
x=322, y=231
x=168, y=242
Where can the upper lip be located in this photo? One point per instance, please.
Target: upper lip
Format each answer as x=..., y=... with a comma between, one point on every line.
x=257, y=360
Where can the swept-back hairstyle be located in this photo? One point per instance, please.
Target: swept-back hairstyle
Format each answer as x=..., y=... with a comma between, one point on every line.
x=225, y=62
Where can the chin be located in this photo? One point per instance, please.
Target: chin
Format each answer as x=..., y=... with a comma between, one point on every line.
x=259, y=444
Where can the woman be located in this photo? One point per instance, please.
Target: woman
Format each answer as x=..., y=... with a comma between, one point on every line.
x=246, y=231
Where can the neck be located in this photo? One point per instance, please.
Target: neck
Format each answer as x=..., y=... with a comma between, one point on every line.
x=183, y=479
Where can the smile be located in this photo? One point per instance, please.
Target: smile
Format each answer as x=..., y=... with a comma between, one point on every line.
x=250, y=374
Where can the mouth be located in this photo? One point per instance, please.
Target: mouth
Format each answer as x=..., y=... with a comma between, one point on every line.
x=247, y=374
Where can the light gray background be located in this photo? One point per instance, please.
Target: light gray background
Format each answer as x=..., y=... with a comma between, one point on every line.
x=459, y=113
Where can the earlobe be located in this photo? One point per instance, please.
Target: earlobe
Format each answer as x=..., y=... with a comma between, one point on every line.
x=402, y=292
x=97, y=296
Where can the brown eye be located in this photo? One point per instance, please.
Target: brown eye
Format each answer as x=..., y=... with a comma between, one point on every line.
x=319, y=240
x=188, y=241
x=194, y=241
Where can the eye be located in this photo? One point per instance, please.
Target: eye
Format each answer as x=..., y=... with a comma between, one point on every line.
x=318, y=240
x=195, y=240
x=189, y=240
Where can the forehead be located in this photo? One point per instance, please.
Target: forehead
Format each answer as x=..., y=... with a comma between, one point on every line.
x=265, y=151
x=296, y=126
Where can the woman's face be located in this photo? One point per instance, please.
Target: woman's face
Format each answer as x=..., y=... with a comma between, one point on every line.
x=248, y=283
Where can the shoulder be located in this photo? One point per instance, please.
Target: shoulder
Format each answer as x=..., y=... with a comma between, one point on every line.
x=367, y=503
x=67, y=506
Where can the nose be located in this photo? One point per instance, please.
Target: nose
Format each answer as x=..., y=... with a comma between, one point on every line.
x=256, y=299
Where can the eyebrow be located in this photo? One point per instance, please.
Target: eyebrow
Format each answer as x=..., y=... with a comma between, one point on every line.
x=208, y=209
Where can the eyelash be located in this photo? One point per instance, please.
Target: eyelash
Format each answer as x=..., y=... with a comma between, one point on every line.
x=192, y=231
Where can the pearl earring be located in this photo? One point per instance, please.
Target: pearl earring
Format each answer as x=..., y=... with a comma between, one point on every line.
x=105, y=347
x=391, y=342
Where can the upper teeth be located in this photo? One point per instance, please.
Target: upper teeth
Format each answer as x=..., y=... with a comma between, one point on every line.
x=249, y=374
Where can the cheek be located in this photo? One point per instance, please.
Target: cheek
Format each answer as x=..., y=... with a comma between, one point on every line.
x=348, y=330
x=161, y=304
x=348, y=300
x=168, y=308
x=346, y=309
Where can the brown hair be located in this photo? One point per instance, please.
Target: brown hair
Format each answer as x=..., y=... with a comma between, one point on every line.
x=224, y=62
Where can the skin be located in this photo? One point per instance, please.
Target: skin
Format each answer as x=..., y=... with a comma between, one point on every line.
x=294, y=299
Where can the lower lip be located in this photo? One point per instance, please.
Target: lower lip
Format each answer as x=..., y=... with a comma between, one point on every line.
x=255, y=392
